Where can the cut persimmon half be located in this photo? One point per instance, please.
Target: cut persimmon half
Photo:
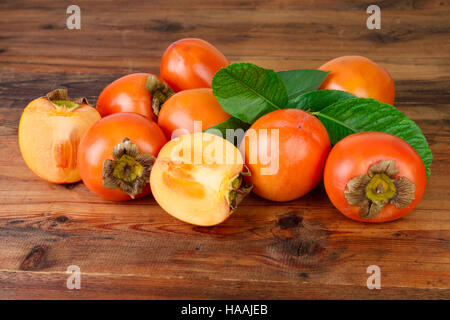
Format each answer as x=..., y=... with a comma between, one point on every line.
x=50, y=130
x=198, y=178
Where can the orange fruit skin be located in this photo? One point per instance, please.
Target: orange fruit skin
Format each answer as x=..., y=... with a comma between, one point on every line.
x=127, y=94
x=98, y=143
x=182, y=109
x=303, y=147
x=49, y=139
x=191, y=63
x=359, y=76
x=352, y=157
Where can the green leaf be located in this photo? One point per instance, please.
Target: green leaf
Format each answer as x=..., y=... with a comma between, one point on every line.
x=234, y=135
x=248, y=92
x=319, y=99
x=360, y=114
x=301, y=81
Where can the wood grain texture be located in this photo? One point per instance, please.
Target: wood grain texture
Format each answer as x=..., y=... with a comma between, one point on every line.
x=303, y=249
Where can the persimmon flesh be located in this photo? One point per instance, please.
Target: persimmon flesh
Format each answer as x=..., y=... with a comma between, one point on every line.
x=50, y=130
x=197, y=178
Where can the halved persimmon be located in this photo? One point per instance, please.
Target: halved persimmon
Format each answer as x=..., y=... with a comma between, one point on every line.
x=50, y=130
x=197, y=178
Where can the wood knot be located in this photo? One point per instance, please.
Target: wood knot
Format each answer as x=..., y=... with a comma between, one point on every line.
x=47, y=27
x=289, y=220
x=297, y=237
x=303, y=275
x=300, y=247
x=35, y=260
x=62, y=219
x=15, y=222
x=165, y=26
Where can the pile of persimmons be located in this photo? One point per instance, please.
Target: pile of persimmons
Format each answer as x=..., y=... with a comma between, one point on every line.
x=147, y=135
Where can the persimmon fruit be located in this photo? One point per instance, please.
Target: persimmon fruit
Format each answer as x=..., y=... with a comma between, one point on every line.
x=116, y=154
x=374, y=177
x=285, y=151
x=179, y=112
x=191, y=63
x=359, y=76
x=141, y=93
x=197, y=178
x=50, y=130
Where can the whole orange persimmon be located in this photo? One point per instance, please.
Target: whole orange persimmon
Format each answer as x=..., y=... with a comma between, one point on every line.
x=181, y=110
x=191, y=63
x=374, y=177
x=141, y=93
x=359, y=76
x=50, y=131
x=116, y=154
x=285, y=151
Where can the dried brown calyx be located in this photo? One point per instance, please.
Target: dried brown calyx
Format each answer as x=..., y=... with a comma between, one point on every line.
x=129, y=171
x=60, y=99
x=160, y=92
x=372, y=191
x=238, y=189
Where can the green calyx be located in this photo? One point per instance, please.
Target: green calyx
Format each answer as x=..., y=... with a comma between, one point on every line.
x=160, y=92
x=65, y=104
x=380, y=186
x=129, y=171
x=60, y=99
x=238, y=190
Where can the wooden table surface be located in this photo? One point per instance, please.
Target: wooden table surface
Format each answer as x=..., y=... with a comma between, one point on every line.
x=303, y=249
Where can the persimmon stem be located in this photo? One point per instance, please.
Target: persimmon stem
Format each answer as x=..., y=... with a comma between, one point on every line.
x=160, y=92
x=239, y=190
x=379, y=188
x=61, y=100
